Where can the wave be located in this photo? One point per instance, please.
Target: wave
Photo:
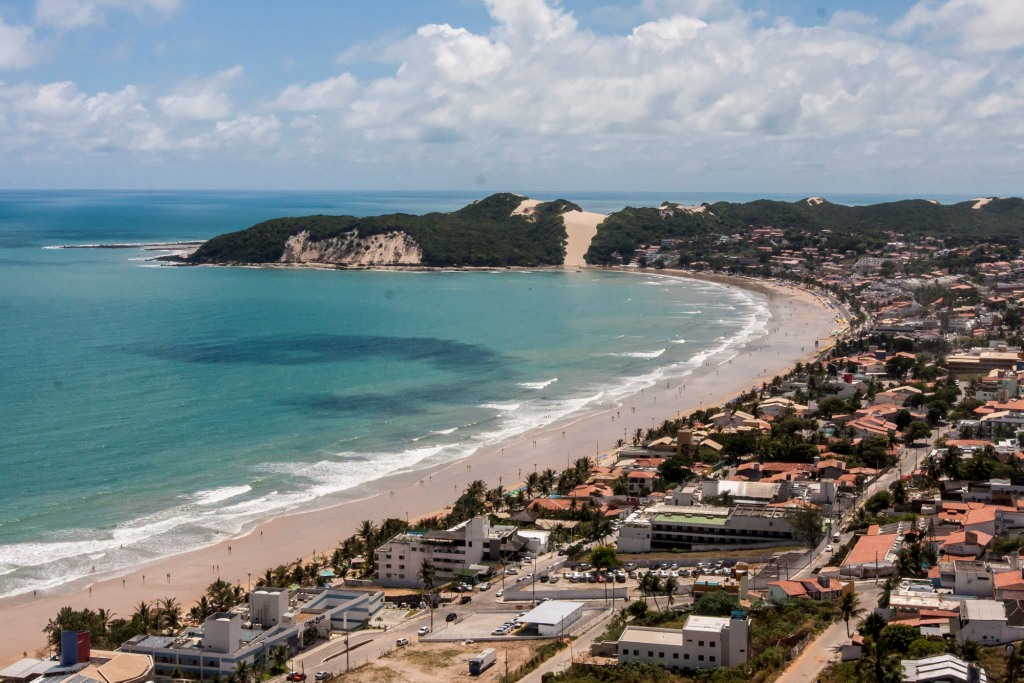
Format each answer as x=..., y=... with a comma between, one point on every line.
x=445, y=432
x=503, y=407
x=640, y=354
x=218, y=495
x=678, y=341
x=538, y=385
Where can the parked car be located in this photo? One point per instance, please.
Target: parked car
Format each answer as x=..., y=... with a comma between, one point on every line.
x=452, y=616
x=553, y=579
x=484, y=586
x=464, y=599
x=828, y=548
x=322, y=675
x=499, y=594
x=424, y=630
x=296, y=676
x=401, y=642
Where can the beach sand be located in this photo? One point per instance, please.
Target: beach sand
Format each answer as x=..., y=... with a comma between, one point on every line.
x=581, y=227
x=799, y=318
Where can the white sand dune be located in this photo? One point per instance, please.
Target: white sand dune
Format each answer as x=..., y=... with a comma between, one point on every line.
x=581, y=227
x=978, y=203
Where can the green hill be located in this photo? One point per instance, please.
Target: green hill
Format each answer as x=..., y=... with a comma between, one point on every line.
x=485, y=233
x=859, y=227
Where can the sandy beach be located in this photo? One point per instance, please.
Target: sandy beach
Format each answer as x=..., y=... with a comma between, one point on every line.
x=799, y=318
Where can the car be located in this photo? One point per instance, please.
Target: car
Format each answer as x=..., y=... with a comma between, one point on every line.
x=464, y=599
x=591, y=578
x=544, y=578
x=322, y=675
x=632, y=574
x=566, y=575
x=683, y=573
x=561, y=552
x=511, y=571
x=484, y=586
x=452, y=616
x=401, y=642
x=529, y=575
x=424, y=630
x=828, y=548
x=600, y=578
x=620, y=578
x=553, y=579
x=543, y=600
x=498, y=632
x=402, y=605
x=296, y=676
x=499, y=594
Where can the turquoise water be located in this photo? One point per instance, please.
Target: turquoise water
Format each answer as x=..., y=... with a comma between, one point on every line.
x=148, y=410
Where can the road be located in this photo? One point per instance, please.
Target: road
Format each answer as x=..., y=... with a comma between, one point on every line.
x=826, y=646
x=562, y=660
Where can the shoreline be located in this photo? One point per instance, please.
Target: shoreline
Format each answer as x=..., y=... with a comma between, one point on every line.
x=239, y=559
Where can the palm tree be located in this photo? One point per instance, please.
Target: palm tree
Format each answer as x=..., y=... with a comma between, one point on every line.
x=368, y=533
x=638, y=436
x=143, y=615
x=242, y=672
x=476, y=489
x=669, y=587
x=849, y=606
x=171, y=611
x=547, y=481
x=532, y=483
x=279, y=655
x=428, y=574
x=103, y=616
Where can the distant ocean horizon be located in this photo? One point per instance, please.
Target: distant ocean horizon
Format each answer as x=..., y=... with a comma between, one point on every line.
x=150, y=410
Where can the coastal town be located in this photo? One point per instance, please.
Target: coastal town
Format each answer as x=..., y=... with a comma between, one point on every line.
x=858, y=517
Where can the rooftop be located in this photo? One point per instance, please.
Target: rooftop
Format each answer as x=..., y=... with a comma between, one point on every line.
x=551, y=613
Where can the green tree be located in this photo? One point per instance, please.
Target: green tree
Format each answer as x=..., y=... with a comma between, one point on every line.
x=898, y=489
x=916, y=430
x=807, y=525
x=849, y=607
x=428, y=575
x=716, y=604
x=603, y=556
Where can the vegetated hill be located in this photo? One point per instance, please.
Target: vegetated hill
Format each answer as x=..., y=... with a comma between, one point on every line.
x=484, y=233
x=999, y=220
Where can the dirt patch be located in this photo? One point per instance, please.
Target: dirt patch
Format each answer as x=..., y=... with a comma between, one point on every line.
x=431, y=662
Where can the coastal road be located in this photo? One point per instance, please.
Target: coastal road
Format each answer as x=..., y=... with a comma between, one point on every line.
x=826, y=647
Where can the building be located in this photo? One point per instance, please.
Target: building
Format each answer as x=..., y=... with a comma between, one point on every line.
x=874, y=555
x=552, y=618
x=979, y=362
x=985, y=622
x=273, y=618
x=456, y=553
x=816, y=588
x=702, y=643
x=942, y=669
x=82, y=665
x=665, y=527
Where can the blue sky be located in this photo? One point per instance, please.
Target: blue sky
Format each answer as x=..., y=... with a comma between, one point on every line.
x=914, y=98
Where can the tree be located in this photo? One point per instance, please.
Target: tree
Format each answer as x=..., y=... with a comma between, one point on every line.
x=716, y=604
x=849, y=606
x=902, y=419
x=807, y=525
x=279, y=655
x=368, y=533
x=428, y=575
x=899, y=492
x=916, y=430
x=670, y=587
x=242, y=672
x=603, y=556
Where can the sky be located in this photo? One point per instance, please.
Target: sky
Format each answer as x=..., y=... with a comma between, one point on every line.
x=885, y=96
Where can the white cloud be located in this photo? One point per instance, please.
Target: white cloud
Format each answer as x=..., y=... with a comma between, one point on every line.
x=979, y=25
x=330, y=93
x=202, y=99
x=18, y=47
x=66, y=15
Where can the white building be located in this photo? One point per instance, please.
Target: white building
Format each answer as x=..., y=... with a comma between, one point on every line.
x=666, y=527
x=702, y=643
x=942, y=669
x=457, y=553
x=554, y=617
x=274, y=617
x=984, y=622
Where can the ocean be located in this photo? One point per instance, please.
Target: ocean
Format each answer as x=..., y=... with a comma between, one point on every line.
x=147, y=410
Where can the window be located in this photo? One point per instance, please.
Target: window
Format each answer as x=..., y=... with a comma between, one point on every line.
x=711, y=658
x=636, y=653
x=686, y=655
x=700, y=657
x=650, y=653
x=675, y=655
x=700, y=643
x=712, y=643
x=661, y=655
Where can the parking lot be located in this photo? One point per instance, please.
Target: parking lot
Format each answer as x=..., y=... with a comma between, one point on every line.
x=475, y=626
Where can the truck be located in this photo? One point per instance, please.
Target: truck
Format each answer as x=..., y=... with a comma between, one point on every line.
x=479, y=664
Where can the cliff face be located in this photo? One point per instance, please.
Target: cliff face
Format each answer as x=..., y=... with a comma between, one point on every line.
x=385, y=249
